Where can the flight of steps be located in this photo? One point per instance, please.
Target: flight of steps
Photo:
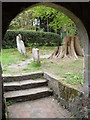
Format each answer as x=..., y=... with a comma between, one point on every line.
x=24, y=90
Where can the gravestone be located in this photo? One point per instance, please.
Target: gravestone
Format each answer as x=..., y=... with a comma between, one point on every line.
x=36, y=55
x=20, y=45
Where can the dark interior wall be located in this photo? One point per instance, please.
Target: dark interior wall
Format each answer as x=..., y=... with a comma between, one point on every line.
x=11, y=9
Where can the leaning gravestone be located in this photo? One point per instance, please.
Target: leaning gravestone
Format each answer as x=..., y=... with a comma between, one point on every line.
x=36, y=55
x=20, y=45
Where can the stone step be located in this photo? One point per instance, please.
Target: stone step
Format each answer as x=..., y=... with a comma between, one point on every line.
x=25, y=84
x=27, y=94
x=26, y=76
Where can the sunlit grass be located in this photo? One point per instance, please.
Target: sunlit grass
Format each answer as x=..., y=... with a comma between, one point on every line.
x=74, y=78
x=71, y=70
x=32, y=67
x=11, y=56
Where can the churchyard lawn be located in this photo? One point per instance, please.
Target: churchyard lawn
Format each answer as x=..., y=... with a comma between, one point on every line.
x=15, y=63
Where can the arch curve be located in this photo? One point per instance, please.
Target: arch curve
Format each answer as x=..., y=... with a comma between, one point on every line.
x=78, y=16
x=81, y=30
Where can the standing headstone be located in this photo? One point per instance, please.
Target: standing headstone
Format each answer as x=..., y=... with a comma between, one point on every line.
x=36, y=55
x=20, y=45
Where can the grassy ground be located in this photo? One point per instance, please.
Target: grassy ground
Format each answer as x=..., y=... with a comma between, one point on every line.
x=11, y=56
x=70, y=69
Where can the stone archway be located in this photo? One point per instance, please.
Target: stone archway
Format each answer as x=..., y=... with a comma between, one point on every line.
x=65, y=9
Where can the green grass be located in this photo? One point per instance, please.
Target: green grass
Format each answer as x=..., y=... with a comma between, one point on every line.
x=32, y=67
x=11, y=56
x=9, y=102
x=35, y=64
x=70, y=69
x=44, y=50
x=74, y=78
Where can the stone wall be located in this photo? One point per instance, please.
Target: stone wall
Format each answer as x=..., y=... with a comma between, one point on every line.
x=70, y=98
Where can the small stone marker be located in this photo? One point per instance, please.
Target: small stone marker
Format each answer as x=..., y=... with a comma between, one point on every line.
x=36, y=55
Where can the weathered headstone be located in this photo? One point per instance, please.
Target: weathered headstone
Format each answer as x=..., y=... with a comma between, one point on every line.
x=20, y=45
x=36, y=55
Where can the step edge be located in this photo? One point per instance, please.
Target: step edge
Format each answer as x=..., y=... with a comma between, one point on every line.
x=26, y=83
x=28, y=94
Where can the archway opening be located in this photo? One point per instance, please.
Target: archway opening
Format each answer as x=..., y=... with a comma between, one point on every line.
x=81, y=30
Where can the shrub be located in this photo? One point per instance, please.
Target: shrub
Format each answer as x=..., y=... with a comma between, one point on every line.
x=31, y=38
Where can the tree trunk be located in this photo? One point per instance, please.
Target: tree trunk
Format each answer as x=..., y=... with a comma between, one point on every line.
x=71, y=48
x=78, y=47
x=47, y=26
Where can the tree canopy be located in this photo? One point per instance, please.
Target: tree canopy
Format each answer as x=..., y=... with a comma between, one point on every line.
x=55, y=20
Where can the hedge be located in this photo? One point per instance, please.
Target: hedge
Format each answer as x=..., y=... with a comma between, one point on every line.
x=31, y=38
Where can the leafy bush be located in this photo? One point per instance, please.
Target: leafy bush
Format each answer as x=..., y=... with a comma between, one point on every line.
x=31, y=38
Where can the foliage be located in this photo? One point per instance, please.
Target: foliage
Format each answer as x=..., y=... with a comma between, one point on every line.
x=56, y=20
x=31, y=38
x=9, y=102
x=64, y=22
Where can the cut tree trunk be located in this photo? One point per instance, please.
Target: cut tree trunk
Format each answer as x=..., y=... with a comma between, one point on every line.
x=71, y=48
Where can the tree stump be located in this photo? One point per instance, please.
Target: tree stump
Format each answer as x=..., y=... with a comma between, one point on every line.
x=70, y=48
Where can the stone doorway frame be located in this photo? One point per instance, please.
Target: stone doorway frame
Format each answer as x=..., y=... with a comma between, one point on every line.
x=82, y=34
x=84, y=40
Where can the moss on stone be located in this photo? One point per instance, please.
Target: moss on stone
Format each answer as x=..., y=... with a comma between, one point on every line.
x=66, y=92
